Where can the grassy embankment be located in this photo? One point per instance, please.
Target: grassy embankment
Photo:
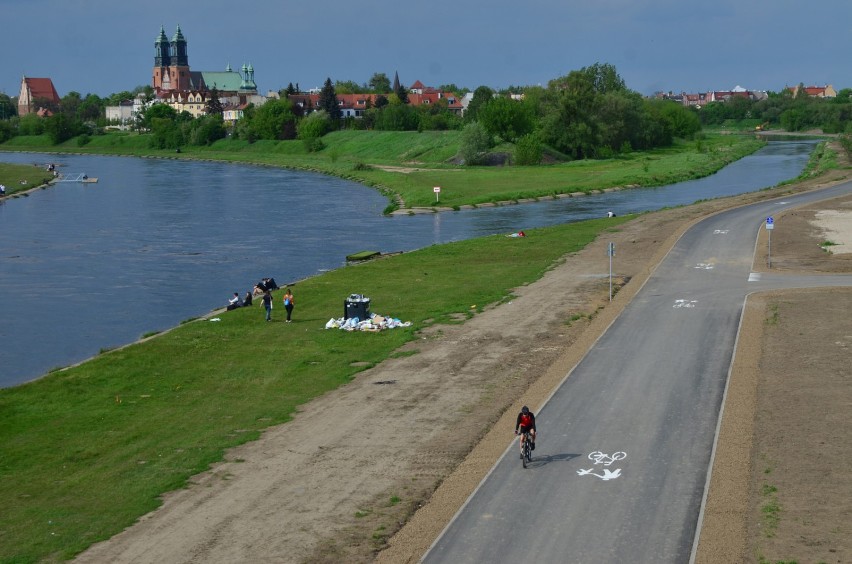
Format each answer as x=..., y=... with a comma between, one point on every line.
x=357, y=154
x=88, y=450
x=18, y=178
x=85, y=451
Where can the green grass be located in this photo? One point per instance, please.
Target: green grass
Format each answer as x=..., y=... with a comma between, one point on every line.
x=11, y=176
x=770, y=510
x=85, y=451
x=355, y=155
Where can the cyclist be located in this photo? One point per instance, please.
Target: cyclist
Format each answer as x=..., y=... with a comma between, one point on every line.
x=525, y=422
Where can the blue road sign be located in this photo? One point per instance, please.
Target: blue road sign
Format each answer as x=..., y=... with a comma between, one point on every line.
x=769, y=220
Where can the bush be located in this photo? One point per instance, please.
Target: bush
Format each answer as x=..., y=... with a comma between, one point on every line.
x=83, y=140
x=313, y=144
x=314, y=126
x=528, y=150
x=474, y=143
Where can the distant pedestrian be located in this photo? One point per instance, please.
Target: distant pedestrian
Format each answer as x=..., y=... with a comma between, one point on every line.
x=610, y=214
x=247, y=299
x=289, y=302
x=2, y=190
x=267, y=304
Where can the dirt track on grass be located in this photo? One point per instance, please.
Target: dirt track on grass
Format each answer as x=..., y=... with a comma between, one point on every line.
x=444, y=415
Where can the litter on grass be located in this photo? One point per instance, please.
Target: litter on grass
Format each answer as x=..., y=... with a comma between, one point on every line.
x=375, y=323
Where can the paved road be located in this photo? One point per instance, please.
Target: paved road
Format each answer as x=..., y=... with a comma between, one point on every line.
x=651, y=388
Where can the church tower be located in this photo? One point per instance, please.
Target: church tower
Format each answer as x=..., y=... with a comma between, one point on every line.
x=179, y=64
x=162, y=60
x=171, y=63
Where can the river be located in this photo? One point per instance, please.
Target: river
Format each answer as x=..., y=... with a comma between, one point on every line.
x=85, y=267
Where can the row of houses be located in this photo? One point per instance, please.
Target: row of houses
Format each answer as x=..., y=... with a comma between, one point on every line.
x=234, y=104
x=702, y=98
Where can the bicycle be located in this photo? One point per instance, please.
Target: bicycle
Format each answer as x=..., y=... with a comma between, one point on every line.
x=526, y=453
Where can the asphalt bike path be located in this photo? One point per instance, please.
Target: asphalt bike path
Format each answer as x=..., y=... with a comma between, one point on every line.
x=625, y=443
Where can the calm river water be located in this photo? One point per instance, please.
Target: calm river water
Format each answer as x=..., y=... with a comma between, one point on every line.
x=91, y=266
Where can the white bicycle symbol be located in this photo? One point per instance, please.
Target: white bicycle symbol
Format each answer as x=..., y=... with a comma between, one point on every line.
x=606, y=459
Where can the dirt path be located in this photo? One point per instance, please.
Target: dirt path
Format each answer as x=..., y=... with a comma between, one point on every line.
x=443, y=420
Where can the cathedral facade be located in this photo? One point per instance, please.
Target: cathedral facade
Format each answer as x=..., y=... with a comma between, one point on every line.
x=171, y=73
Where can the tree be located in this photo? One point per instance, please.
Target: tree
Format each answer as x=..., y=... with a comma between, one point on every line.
x=270, y=121
x=312, y=128
x=481, y=96
x=165, y=133
x=397, y=117
x=157, y=111
x=506, y=118
x=61, y=127
x=474, y=143
x=328, y=101
x=91, y=108
x=348, y=87
x=70, y=102
x=379, y=83
x=213, y=106
x=451, y=87
x=207, y=129
x=684, y=121
x=7, y=108
x=402, y=93
x=528, y=150
x=30, y=124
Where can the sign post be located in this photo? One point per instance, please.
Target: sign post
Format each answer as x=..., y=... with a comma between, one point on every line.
x=437, y=190
x=610, y=251
x=770, y=225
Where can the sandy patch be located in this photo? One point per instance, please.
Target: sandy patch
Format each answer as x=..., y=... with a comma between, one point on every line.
x=836, y=226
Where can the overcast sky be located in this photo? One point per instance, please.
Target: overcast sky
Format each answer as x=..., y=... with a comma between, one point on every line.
x=106, y=46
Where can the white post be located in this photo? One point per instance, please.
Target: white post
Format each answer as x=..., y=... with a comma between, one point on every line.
x=611, y=252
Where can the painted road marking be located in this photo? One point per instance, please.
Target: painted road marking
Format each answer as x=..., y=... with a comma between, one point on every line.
x=720, y=231
x=704, y=266
x=754, y=277
x=604, y=459
x=685, y=303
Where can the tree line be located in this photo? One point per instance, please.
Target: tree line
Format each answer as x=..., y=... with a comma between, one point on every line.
x=588, y=113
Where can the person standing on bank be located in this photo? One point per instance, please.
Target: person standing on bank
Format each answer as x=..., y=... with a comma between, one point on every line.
x=288, y=303
x=267, y=304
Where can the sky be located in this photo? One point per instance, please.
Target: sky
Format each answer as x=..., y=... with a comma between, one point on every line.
x=107, y=46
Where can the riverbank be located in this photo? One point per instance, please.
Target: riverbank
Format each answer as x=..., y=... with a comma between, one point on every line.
x=407, y=166
x=458, y=385
x=20, y=180
x=230, y=358
x=88, y=450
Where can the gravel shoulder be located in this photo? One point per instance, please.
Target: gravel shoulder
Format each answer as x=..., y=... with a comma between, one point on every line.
x=392, y=455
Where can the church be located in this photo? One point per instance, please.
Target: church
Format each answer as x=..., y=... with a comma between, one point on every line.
x=186, y=90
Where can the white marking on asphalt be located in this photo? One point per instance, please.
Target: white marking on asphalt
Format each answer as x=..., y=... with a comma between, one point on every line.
x=754, y=277
x=605, y=459
x=704, y=266
x=606, y=476
x=720, y=232
x=685, y=303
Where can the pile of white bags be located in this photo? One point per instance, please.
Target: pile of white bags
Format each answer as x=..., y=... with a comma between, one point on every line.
x=375, y=323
